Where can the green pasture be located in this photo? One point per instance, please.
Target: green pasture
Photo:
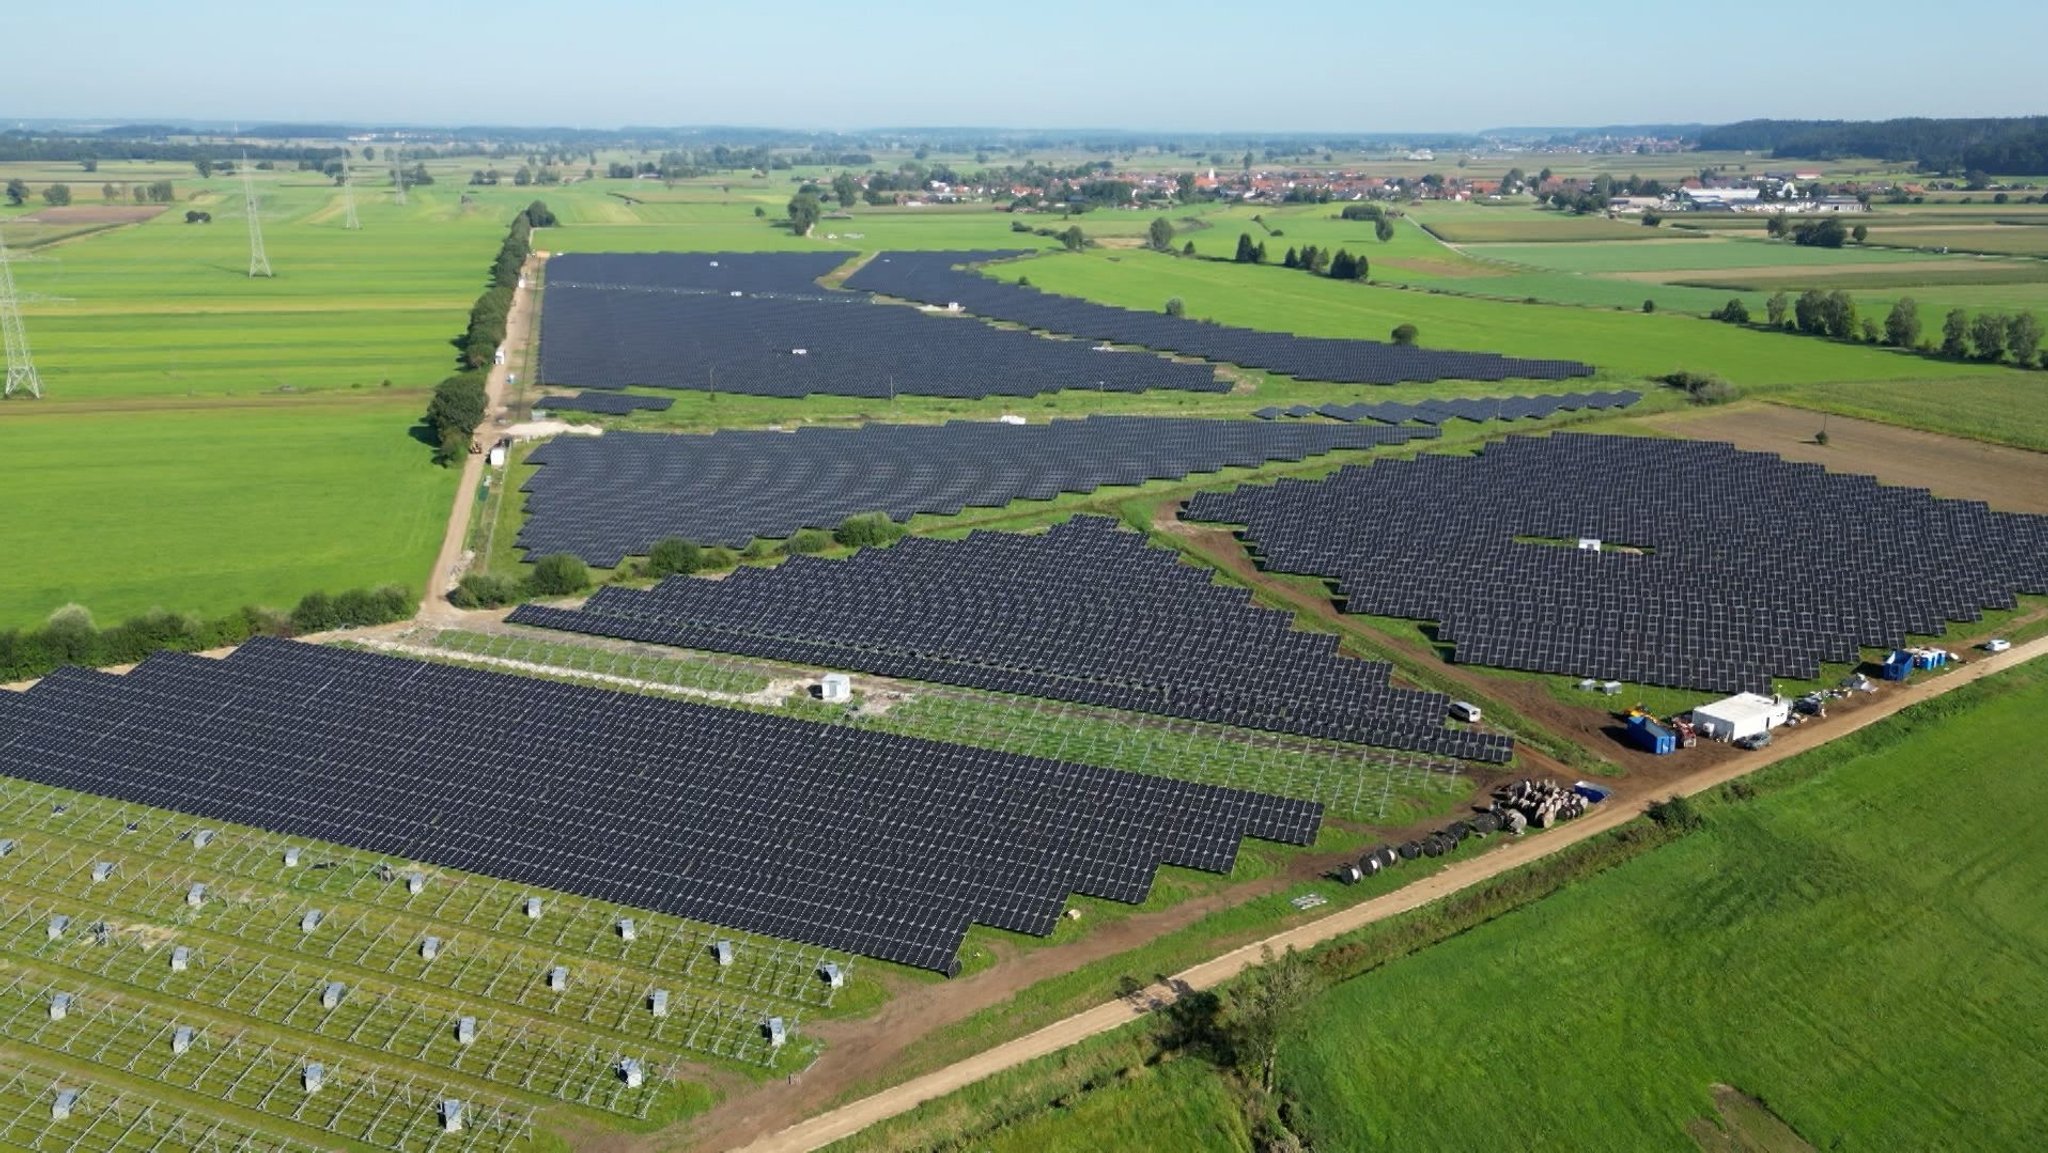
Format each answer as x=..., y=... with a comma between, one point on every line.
x=1516, y=225
x=1688, y=254
x=1998, y=239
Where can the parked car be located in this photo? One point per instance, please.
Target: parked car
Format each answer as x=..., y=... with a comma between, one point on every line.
x=1997, y=645
x=1753, y=741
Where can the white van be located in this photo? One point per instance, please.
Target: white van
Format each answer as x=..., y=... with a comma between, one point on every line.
x=1465, y=711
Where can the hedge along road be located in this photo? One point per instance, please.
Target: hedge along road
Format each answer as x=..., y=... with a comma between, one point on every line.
x=849, y=1119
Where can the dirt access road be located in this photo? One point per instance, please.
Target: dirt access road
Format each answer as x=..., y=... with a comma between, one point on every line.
x=843, y=1122
x=448, y=565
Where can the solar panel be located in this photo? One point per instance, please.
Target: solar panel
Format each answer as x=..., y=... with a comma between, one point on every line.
x=1701, y=566
x=608, y=403
x=829, y=834
x=1087, y=612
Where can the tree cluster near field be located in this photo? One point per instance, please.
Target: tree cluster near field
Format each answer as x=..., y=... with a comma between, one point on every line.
x=1990, y=336
x=2017, y=146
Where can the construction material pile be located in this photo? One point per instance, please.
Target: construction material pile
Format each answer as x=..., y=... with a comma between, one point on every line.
x=1519, y=804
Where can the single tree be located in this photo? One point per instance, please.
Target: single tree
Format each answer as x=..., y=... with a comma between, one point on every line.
x=1776, y=307
x=558, y=575
x=1290, y=260
x=1649, y=306
x=17, y=191
x=2023, y=338
x=1775, y=226
x=804, y=211
x=1175, y=307
x=1955, y=334
x=1859, y=234
x=1902, y=324
x=1245, y=252
x=1404, y=334
x=57, y=195
x=1267, y=1006
x=110, y=192
x=1160, y=234
x=1383, y=229
x=673, y=555
x=845, y=189
x=1809, y=314
x=1188, y=249
x=1838, y=315
x=1872, y=333
x=1987, y=336
x=1073, y=239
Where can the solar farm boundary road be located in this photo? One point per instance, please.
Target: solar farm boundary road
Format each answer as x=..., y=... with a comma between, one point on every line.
x=518, y=325
x=1632, y=796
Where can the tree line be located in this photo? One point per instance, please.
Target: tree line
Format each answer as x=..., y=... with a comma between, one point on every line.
x=459, y=402
x=2015, y=146
x=70, y=637
x=1991, y=337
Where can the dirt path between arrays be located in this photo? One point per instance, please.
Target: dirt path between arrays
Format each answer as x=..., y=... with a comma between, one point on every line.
x=847, y=1120
x=2007, y=479
x=449, y=564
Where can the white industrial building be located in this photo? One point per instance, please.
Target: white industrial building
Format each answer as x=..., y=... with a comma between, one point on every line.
x=1739, y=716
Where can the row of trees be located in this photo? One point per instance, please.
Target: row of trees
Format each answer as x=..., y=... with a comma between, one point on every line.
x=70, y=637
x=1340, y=265
x=1382, y=226
x=59, y=195
x=1992, y=337
x=487, y=316
x=1827, y=232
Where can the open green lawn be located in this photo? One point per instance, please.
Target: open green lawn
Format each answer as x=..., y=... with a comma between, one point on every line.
x=1858, y=951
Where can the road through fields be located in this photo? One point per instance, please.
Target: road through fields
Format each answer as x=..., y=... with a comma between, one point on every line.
x=849, y=1119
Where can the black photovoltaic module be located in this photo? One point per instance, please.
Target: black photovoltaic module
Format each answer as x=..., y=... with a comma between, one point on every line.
x=1088, y=612
x=1732, y=567
x=875, y=844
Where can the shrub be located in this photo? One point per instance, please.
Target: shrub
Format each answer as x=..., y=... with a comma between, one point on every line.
x=1404, y=334
x=674, y=555
x=484, y=591
x=808, y=541
x=1175, y=307
x=873, y=529
x=558, y=575
x=1702, y=388
x=1677, y=814
x=1734, y=312
x=1649, y=306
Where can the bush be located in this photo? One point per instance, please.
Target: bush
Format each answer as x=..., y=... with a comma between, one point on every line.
x=1404, y=334
x=871, y=530
x=1175, y=307
x=558, y=575
x=808, y=541
x=318, y=612
x=1649, y=306
x=1703, y=388
x=484, y=591
x=1677, y=814
x=673, y=555
x=1734, y=312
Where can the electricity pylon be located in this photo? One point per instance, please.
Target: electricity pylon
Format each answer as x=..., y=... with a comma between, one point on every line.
x=21, y=370
x=259, y=264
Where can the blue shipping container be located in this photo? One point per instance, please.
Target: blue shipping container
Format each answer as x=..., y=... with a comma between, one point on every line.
x=1897, y=665
x=1651, y=737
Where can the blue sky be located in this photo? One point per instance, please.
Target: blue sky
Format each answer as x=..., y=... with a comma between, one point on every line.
x=1307, y=65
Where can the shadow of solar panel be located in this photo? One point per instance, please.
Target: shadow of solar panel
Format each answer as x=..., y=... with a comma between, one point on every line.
x=934, y=278
x=604, y=498
x=1716, y=569
x=874, y=844
x=1087, y=612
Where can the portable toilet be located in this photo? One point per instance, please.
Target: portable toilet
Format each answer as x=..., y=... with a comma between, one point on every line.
x=532, y=908
x=310, y=920
x=833, y=976
x=451, y=1115
x=58, y=924
x=558, y=979
x=101, y=870
x=60, y=1006
x=181, y=958
x=430, y=948
x=414, y=882
x=291, y=856
x=196, y=895
x=1646, y=734
x=181, y=1040
x=202, y=838
x=631, y=1073
x=836, y=688
x=1929, y=658
x=723, y=950
x=60, y=1109
x=627, y=930
x=465, y=1030
x=330, y=997
x=773, y=1029
x=1897, y=665
x=313, y=1075
x=657, y=1002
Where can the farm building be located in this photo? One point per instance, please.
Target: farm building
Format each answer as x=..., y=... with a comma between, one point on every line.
x=1739, y=716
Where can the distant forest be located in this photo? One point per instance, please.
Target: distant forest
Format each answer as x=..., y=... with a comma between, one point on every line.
x=2008, y=147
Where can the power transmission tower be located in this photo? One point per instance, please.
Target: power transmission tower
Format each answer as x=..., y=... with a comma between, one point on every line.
x=397, y=174
x=21, y=370
x=259, y=264
x=348, y=194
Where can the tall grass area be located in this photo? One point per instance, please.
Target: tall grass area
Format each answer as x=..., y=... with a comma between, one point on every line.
x=1858, y=949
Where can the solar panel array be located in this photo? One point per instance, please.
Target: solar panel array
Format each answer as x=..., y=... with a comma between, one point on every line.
x=1734, y=566
x=932, y=277
x=1087, y=612
x=604, y=498
x=608, y=403
x=757, y=324
x=870, y=843
x=1473, y=408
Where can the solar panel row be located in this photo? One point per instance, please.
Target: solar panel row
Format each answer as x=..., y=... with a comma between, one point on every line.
x=1703, y=566
x=604, y=498
x=875, y=844
x=754, y=323
x=1473, y=408
x=608, y=403
x=933, y=278
x=1087, y=612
